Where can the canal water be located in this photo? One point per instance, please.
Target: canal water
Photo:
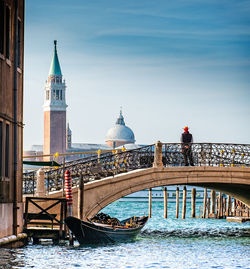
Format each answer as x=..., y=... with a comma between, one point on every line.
x=163, y=243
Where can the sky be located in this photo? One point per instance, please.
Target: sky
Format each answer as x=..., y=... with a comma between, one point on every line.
x=168, y=64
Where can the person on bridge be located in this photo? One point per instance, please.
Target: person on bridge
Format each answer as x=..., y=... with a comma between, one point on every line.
x=187, y=140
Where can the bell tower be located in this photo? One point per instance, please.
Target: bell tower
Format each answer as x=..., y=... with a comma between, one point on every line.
x=54, y=109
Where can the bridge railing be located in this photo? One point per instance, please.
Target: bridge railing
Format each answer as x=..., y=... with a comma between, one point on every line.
x=208, y=154
x=93, y=168
x=113, y=163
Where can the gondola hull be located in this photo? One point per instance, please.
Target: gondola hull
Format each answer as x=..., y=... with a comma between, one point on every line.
x=91, y=233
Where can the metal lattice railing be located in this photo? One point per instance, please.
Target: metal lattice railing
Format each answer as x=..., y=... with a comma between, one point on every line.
x=93, y=168
x=208, y=154
x=110, y=164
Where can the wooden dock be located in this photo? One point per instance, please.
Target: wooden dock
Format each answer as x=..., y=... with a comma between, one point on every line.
x=41, y=219
x=238, y=219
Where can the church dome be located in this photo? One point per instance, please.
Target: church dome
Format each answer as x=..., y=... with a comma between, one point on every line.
x=120, y=134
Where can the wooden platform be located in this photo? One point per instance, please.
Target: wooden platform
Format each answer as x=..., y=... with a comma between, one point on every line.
x=43, y=221
x=238, y=219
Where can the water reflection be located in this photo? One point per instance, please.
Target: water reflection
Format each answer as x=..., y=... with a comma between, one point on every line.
x=11, y=258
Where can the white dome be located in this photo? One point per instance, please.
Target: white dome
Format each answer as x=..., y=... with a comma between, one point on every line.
x=120, y=133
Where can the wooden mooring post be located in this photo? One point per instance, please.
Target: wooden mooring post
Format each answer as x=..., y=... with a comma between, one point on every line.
x=213, y=199
x=184, y=200
x=150, y=203
x=229, y=206
x=80, y=197
x=220, y=205
x=204, y=203
x=193, y=202
x=177, y=202
x=165, y=194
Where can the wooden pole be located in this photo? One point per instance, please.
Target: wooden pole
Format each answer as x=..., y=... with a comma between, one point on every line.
x=80, y=197
x=204, y=203
x=150, y=203
x=208, y=206
x=177, y=202
x=229, y=205
x=213, y=198
x=184, y=200
x=219, y=205
x=193, y=201
x=234, y=212
x=224, y=207
x=165, y=203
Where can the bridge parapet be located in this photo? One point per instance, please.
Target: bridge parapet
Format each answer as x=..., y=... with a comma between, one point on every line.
x=208, y=154
x=90, y=169
x=158, y=155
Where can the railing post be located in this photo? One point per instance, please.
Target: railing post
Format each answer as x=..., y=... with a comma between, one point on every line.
x=40, y=186
x=158, y=155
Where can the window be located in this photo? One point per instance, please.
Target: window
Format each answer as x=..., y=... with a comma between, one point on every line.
x=57, y=94
x=1, y=26
x=54, y=95
x=47, y=95
x=1, y=148
x=7, y=148
x=7, y=40
x=60, y=94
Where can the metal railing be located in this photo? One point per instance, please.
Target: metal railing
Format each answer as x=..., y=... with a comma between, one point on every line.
x=92, y=168
x=111, y=164
x=208, y=154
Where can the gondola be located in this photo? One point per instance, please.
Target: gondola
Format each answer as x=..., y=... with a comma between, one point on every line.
x=100, y=233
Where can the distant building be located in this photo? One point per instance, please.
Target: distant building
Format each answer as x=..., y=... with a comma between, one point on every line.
x=11, y=116
x=120, y=134
x=58, y=138
x=54, y=109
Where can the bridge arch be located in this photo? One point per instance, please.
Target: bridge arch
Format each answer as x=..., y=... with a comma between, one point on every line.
x=234, y=181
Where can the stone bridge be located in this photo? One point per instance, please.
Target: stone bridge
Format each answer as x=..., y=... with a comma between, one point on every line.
x=222, y=167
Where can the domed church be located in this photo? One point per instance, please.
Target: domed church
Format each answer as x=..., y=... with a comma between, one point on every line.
x=120, y=134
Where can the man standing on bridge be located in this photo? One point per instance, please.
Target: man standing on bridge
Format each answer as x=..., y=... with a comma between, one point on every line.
x=187, y=140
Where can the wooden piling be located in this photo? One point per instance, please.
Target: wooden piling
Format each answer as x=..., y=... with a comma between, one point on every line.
x=80, y=198
x=213, y=198
x=184, y=200
x=150, y=203
x=234, y=207
x=224, y=207
x=220, y=205
x=204, y=203
x=177, y=202
x=165, y=194
x=208, y=206
x=193, y=201
x=229, y=206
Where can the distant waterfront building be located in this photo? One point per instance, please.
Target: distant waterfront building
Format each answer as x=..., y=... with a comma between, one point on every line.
x=54, y=109
x=58, y=138
x=11, y=116
x=120, y=134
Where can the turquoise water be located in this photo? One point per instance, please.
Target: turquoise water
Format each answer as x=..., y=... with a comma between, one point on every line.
x=163, y=243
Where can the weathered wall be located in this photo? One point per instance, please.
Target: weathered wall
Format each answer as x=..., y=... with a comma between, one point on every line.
x=9, y=190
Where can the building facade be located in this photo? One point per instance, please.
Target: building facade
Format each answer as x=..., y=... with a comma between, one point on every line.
x=11, y=116
x=54, y=109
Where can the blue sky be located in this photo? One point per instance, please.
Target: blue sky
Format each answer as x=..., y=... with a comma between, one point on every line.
x=167, y=63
